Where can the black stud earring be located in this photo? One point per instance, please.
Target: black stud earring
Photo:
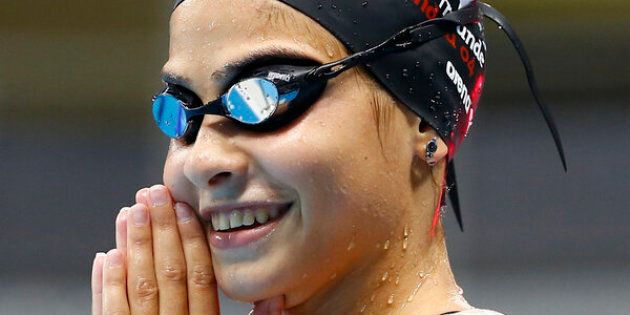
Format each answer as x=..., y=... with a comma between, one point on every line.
x=431, y=148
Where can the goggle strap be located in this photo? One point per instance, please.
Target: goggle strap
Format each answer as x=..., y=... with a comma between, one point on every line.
x=432, y=29
x=411, y=36
x=451, y=188
x=503, y=24
x=499, y=19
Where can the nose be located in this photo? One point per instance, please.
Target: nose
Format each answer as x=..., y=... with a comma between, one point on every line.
x=217, y=163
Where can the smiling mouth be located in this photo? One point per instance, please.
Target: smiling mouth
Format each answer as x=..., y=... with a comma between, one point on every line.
x=247, y=218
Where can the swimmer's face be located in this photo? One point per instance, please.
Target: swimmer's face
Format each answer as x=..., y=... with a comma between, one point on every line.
x=348, y=191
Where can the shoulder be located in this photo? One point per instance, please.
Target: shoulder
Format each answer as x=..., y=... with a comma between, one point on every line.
x=478, y=312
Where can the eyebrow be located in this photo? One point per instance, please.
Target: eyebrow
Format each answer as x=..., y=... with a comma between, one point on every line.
x=253, y=59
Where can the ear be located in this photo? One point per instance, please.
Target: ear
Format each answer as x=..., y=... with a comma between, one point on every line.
x=430, y=148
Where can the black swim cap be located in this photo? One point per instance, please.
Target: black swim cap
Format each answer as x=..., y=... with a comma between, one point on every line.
x=441, y=80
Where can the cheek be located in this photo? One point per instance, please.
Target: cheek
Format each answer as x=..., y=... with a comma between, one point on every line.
x=180, y=187
x=334, y=156
x=346, y=186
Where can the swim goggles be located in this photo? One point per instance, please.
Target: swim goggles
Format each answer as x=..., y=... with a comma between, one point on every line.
x=272, y=96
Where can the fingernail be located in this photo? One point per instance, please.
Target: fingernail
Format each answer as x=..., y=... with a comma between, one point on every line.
x=100, y=255
x=183, y=212
x=122, y=215
x=140, y=215
x=114, y=259
x=158, y=195
x=142, y=196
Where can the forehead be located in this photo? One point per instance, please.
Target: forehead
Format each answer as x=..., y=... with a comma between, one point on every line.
x=206, y=35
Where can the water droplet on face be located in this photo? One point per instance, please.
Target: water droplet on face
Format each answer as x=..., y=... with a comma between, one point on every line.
x=415, y=291
x=406, y=231
x=385, y=276
x=404, y=244
x=390, y=300
x=350, y=246
x=330, y=50
x=386, y=246
x=363, y=308
x=397, y=280
x=343, y=190
x=405, y=73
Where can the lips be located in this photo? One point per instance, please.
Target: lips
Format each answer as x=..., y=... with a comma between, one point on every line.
x=238, y=225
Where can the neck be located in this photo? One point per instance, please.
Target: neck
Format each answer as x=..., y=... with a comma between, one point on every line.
x=412, y=277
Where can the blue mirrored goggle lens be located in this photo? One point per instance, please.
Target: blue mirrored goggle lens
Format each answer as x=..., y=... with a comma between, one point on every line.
x=169, y=115
x=252, y=101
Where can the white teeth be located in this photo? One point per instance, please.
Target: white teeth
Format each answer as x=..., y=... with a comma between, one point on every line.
x=262, y=216
x=215, y=221
x=248, y=218
x=224, y=222
x=236, y=219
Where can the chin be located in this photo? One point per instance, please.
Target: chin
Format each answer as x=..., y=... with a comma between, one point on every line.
x=250, y=282
x=246, y=291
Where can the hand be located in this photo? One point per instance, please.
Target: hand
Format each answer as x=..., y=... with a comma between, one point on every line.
x=161, y=263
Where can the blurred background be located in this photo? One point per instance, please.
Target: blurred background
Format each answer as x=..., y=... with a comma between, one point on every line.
x=77, y=140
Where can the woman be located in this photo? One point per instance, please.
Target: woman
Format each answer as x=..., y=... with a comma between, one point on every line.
x=302, y=189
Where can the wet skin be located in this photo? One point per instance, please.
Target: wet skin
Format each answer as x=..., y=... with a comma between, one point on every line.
x=362, y=197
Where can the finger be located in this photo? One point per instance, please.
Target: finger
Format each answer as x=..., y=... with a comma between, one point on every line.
x=273, y=306
x=97, y=284
x=202, y=286
x=142, y=196
x=142, y=286
x=170, y=264
x=114, y=284
x=121, y=231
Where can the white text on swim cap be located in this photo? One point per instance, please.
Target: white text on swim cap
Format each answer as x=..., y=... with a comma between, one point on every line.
x=478, y=47
x=446, y=7
x=453, y=74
